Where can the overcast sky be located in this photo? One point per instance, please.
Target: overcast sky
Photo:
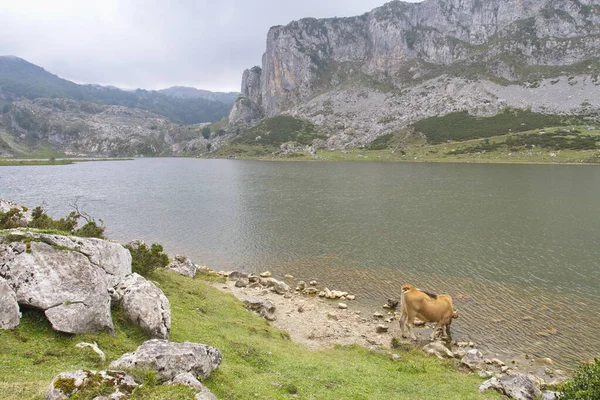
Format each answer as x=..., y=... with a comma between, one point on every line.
x=153, y=44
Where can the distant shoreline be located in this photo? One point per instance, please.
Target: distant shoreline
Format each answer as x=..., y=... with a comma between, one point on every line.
x=11, y=162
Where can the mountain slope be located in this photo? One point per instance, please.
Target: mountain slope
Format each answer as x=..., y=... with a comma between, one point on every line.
x=21, y=80
x=184, y=92
x=361, y=77
x=57, y=127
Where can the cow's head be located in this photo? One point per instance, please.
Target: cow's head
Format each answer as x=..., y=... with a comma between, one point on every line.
x=406, y=287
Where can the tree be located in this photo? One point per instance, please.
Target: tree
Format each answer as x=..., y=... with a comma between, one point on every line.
x=206, y=132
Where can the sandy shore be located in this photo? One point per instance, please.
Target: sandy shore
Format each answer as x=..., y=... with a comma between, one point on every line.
x=319, y=323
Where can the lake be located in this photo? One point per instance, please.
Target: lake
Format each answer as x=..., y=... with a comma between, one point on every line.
x=517, y=246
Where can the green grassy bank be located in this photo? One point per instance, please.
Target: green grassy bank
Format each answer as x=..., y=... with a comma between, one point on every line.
x=259, y=362
x=555, y=145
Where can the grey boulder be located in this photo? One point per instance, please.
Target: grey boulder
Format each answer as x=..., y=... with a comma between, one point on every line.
x=264, y=308
x=63, y=283
x=516, y=386
x=473, y=359
x=438, y=349
x=67, y=384
x=190, y=380
x=9, y=308
x=170, y=359
x=183, y=266
x=145, y=305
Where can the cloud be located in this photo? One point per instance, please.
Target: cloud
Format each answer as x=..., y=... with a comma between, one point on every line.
x=150, y=43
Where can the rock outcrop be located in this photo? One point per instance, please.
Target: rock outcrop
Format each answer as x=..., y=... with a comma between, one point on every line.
x=24, y=216
x=172, y=359
x=144, y=305
x=516, y=386
x=183, y=266
x=9, y=308
x=66, y=277
x=67, y=384
x=361, y=77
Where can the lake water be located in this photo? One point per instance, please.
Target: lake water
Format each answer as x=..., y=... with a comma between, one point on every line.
x=517, y=246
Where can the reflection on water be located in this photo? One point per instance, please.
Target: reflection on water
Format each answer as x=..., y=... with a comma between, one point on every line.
x=516, y=246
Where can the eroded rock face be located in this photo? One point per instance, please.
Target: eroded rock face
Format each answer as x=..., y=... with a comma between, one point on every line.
x=145, y=305
x=332, y=71
x=9, y=308
x=183, y=266
x=64, y=283
x=66, y=384
x=170, y=359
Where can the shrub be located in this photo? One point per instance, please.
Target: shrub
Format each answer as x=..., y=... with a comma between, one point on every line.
x=40, y=220
x=145, y=260
x=585, y=385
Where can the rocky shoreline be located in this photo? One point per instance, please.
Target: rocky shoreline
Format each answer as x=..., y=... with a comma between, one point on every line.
x=319, y=318
x=74, y=280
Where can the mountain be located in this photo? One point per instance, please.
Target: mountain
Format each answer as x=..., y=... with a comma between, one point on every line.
x=57, y=127
x=20, y=80
x=362, y=77
x=184, y=92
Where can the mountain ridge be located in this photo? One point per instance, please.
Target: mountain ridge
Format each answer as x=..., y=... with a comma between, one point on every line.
x=360, y=77
x=20, y=80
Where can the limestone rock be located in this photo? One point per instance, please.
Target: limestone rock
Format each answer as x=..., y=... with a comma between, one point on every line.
x=411, y=43
x=278, y=287
x=70, y=289
x=382, y=328
x=190, y=380
x=549, y=395
x=145, y=305
x=183, y=266
x=238, y=275
x=9, y=308
x=473, y=359
x=438, y=349
x=516, y=386
x=264, y=308
x=24, y=216
x=240, y=283
x=170, y=359
x=266, y=274
x=66, y=384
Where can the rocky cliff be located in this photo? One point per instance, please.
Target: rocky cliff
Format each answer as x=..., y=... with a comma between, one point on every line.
x=375, y=73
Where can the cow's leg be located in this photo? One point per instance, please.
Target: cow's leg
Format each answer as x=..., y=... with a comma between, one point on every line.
x=402, y=322
x=410, y=320
x=439, y=326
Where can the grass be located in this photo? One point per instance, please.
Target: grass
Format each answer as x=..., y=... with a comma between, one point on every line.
x=463, y=126
x=405, y=146
x=259, y=362
x=9, y=162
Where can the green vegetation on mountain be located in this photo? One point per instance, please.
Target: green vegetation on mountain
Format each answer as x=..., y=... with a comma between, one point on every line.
x=460, y=126
x=20, y=79
x=267, y=136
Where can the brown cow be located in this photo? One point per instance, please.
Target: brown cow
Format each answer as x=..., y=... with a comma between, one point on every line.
x=428, y=307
